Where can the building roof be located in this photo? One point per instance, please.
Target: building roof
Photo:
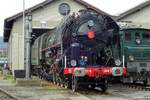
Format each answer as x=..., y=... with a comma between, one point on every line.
x=133, y=10
x=126, y=29
x=8, y=22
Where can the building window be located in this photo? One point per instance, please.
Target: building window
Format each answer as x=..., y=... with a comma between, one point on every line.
x=128, y=36
x=43, y=24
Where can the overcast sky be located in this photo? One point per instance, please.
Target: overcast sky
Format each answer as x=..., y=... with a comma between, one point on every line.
x=113, y=7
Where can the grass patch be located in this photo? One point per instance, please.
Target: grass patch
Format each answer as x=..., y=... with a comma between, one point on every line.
x=52, y=87
x=56, y=89
x=8, y=77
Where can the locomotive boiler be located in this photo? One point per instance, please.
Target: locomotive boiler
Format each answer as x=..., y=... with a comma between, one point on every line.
x=83, y=50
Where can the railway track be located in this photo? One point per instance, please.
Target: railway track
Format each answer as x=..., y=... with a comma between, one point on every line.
x=4, y=95
x=137, y=86
x=82, y=90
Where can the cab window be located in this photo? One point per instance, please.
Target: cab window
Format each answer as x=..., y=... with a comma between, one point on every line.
x=146, y=36
x=128, y=36
x=137, y=35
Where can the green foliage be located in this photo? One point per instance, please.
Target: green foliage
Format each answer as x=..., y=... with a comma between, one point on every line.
x=8, y=76
x=0, y=68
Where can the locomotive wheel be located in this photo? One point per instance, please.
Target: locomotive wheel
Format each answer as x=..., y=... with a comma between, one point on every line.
x=61, y=84
x=148, y=81
x=134, y=81
x=91, y=87
x=104, y=87
x=67, y=85
x=124, y=80
x=54, y=78
x=145, y=82
x=59, y=81
x=74, y=83
x=131, y=79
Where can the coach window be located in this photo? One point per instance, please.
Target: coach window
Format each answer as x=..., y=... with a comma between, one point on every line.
x=146, y=36
x=137, y=38
x=128, y=36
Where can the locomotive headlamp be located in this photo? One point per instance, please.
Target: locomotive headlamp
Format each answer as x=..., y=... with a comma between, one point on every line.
x=138, y=41
x=131, y=58
x=82, y=57
x=117, y=62
x=91, y=23
x=85, y=58
x=73, y=62
x=91, y=34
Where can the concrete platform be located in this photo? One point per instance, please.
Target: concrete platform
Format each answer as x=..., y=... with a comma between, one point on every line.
x=31, y=82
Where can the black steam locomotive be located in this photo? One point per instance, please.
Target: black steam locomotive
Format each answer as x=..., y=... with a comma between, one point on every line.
x=83, y=50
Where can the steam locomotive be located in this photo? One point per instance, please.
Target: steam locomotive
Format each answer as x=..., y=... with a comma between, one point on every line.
x=83, y=50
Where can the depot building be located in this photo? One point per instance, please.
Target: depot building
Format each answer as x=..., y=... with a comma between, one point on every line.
x=139, y=15
x=45, y=16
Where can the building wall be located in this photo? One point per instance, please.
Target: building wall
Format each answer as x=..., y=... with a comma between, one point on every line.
x=141, y=17
x=3, y=52
x=51, y=15
x=48, y=14
x=9, y=52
